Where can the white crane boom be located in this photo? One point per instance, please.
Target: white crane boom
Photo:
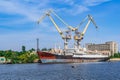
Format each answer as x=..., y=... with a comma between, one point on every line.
x=90, y=20
x=42, y=17
x=58, y=29
x=64, y=37
x=85, y=27
x=48, y=14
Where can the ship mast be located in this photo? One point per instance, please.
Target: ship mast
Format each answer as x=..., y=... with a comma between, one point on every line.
x=38, y=44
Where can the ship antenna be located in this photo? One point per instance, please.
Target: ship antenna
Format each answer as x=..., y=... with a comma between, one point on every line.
x=38, y=44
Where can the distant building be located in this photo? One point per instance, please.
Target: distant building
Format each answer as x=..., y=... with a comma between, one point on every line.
x=2, y=60
x=110, y=47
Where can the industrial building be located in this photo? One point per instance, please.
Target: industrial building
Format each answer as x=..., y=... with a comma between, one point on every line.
x=109, y=48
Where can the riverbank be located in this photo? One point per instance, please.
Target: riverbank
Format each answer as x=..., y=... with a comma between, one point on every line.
x=114, y=59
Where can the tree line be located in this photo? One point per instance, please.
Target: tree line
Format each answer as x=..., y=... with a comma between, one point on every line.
x=19, y=57
x=116, y=55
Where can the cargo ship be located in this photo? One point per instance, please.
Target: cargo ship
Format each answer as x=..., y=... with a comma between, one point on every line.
x=70, y=57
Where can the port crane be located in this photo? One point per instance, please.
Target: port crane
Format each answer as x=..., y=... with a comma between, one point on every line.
x=67, y=36
x=79, y=35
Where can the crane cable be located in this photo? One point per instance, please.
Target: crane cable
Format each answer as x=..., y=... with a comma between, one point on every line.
x=81, y=22
x=60, y=19
x=70, y=27
x=90, y=18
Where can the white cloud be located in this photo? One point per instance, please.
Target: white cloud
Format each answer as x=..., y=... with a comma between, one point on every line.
x=78, y=9
x=14, y=22
x=17, y=8
x=32, y=9
x=70, y=2
x=82, y=6
x=25, y=13
x=94, y=2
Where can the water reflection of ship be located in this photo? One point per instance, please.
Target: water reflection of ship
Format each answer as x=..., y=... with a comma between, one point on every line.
x=76, y=54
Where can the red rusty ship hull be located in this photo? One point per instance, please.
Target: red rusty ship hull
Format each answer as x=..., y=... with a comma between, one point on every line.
x=46, y=57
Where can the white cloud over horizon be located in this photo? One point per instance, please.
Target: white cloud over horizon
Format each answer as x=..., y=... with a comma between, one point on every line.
x=33, y=11
x=94, y=2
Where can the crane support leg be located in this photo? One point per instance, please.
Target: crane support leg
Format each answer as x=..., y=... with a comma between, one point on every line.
x=65, y=44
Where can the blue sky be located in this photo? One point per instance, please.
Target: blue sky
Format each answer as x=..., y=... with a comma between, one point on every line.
x=18, y=21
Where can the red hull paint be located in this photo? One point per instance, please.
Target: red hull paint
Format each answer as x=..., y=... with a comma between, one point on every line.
x=45, y=55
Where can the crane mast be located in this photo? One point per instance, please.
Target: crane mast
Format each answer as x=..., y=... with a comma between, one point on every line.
x=66, y=37
x=79, y=35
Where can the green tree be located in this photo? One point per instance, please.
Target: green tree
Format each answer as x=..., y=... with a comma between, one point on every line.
x=49, y=49
x=23, y=49
x=2, y=53
x=32, y=50
x=23, y=57
x=44, y=49
x=19, y=57
x=8, y=54
x=32, y=57
x=116, y=55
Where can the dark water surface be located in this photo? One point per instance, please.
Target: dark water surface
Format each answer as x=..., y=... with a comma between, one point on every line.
x=81, y=71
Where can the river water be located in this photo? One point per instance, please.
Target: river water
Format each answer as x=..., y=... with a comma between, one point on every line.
x=81, y=71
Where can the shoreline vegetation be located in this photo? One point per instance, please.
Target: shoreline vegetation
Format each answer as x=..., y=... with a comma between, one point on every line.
x=15, y=57
x=115, y=57
x=30, y=56
x=20, y=57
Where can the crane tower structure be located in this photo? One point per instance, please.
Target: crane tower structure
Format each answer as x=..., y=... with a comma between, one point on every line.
x=78, y=36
